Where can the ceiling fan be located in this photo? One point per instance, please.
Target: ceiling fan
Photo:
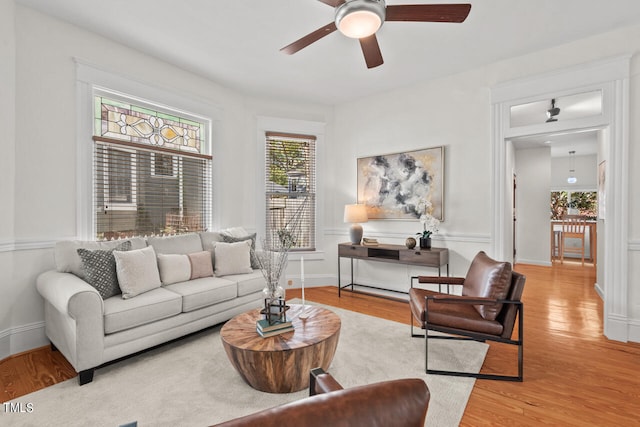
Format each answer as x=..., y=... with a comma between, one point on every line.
x=361, y=19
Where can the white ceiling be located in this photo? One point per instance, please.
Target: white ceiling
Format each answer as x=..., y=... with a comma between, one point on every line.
x=236, y=42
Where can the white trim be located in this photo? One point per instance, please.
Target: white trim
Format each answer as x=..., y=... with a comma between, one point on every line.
x=440, y=237
x=22, y=338
x=611, y=76
x=27, y=244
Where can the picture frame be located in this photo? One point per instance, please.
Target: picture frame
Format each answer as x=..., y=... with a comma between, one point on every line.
x=601, y=189
x=393, y=186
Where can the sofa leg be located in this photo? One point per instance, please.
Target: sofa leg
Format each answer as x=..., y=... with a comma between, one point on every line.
x=85, y=377
x=53, y=346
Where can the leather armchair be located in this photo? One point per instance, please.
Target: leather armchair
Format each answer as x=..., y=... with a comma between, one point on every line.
x=401, y=403
x=487, y=310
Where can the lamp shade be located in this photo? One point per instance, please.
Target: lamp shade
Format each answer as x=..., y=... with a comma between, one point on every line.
x=355, y=213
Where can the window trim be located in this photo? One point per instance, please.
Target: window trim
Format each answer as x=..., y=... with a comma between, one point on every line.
x=300, y=127
x=90, y=78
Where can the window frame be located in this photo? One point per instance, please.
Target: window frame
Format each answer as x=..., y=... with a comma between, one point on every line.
x=90, y=79
x=292, y=126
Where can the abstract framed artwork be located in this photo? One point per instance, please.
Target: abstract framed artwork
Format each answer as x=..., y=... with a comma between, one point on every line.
x=393, y=185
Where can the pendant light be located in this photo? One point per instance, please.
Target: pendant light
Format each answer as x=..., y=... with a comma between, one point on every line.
x=572, y=172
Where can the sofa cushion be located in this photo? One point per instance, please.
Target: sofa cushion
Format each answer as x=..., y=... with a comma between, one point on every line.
x=100, y=269
x=157, y=304
x=203, y=292
x=137, y=271
x=181, y=244
x=228, y=238
x=233, y=258
x=173, y=268
x=68, y=260
x=248, y=283
x=487, y=278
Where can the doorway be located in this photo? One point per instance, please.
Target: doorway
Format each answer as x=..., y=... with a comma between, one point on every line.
x=611, y=78
x=557, y=176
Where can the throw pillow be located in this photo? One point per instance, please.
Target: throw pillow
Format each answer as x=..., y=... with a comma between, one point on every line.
x=137, y=271
x=233, y=258
x=99, y=268
x=200, y=264
x=487, y=278
x=252, y=238
x=174, y=268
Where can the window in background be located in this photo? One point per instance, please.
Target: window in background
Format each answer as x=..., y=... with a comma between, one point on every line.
x=152, y=174
x=580, y=202
x=290, y=183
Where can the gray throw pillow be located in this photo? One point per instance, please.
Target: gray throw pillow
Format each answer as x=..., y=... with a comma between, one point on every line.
x=100, y=269
x=255, y=264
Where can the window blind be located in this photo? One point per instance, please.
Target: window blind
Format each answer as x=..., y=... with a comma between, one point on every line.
x=142, y=190
x=290, y=184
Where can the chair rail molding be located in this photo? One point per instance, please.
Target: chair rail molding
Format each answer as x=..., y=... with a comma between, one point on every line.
x=611, y=77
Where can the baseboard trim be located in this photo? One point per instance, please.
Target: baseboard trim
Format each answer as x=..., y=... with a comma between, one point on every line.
x=22, y=338
x=599, y=290
x=634, y=331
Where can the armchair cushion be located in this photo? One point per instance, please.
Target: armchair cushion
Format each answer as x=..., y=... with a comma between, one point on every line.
x=487, y=278
x=453, y=315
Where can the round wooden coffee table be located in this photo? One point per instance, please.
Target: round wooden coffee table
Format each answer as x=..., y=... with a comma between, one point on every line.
x=281, y=363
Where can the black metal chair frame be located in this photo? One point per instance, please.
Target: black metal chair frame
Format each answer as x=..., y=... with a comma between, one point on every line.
x=463, y=335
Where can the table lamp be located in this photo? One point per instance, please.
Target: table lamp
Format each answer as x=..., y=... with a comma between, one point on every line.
x=355, y=214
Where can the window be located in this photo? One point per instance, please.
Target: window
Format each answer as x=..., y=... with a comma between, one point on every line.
x=583, y=202
x=290, y=185
x=151, y=172
x=163, y=165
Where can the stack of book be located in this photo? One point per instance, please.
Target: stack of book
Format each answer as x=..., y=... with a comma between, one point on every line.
x=268, y=330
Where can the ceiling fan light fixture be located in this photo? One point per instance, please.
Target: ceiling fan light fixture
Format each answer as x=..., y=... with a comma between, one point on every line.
x=360, y=18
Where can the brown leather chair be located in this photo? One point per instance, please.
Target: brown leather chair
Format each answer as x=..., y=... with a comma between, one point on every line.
x=401, y=403
x=486, y=311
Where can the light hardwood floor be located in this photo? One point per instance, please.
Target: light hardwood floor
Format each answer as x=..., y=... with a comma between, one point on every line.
x=573, y=375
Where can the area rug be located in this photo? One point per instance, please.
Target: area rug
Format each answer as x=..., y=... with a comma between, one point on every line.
x=191, y=382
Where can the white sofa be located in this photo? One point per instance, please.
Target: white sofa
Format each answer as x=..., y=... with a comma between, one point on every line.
x=91, y=331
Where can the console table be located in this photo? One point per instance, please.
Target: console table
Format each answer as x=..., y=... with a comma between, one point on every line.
x=396, y=254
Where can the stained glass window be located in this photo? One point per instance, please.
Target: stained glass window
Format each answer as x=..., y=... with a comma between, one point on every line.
x=124, y=121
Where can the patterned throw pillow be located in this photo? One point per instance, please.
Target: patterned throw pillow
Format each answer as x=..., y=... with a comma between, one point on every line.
x=100, y=269
x=232, y=239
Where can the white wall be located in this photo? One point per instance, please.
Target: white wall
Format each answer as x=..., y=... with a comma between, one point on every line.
x=455, y=111
x=43, y=170
x=7, y=168
x=586, y=168
x=533, y=171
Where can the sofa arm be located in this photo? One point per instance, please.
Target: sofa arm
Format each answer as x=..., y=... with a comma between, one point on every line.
x=74, y=318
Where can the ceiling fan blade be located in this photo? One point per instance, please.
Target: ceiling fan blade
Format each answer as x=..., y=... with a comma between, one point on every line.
x=309, y=38
x=371, y=51
x=332, y=3
x=428, y=12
